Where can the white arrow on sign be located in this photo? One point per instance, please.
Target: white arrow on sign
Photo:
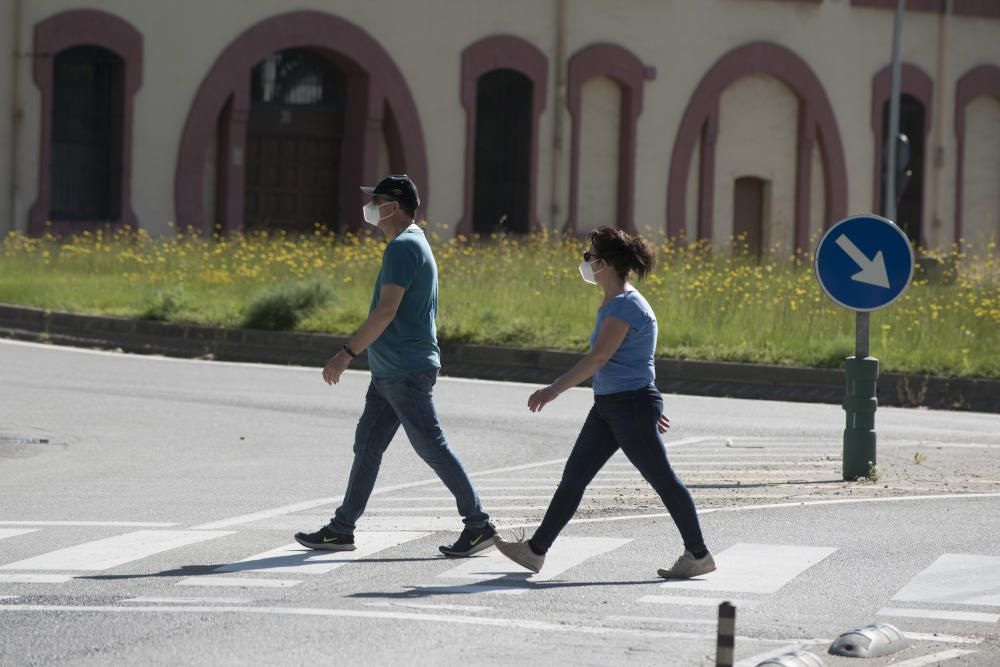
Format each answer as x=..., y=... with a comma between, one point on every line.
x=872, y=270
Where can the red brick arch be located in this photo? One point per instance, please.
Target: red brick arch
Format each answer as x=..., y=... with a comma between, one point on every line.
x=65, y=30
x=982, y=80
x=701, y=120
x=378, y=100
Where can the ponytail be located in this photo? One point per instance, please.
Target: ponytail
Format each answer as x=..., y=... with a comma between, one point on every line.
x=626, y=254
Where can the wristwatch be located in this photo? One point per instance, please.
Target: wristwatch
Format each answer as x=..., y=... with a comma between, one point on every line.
x=351, y=353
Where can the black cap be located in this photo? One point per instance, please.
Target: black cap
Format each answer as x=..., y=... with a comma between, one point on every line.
x=398, y=187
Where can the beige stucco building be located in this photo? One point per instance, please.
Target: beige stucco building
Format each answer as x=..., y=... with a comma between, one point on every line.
x=702, y=118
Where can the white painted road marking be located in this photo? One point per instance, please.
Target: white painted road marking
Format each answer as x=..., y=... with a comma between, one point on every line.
x=956, y=579
x=756, y=568
x=418, y=605
x=975, y=617
x=319, y=502
x=14, y=532
x=777, y=506
x=27, y=578
x=179, y=600
x=111, y=524
x=114, y=551
x=297, y=559
x=933, y=659
x=456, y=619
x=692, y=601
x=941, y=639
x=238, y=582
x=566, y=553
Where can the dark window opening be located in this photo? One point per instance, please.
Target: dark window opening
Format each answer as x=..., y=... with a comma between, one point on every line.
x=909, y=177
x=749, y=201
x=294, y=140
x=87, y=119
x=502, y=192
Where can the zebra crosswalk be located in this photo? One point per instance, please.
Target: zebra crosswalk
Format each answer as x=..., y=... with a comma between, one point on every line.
x=254, y=558
x=749, y=575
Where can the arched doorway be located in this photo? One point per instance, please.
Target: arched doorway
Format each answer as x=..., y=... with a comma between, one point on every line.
x=86, y=163
x=88, y=68
x=492, y=69
x=294, y=136
x=378, y=105
x=909, y=176
x=502, y=191
x=916, y=95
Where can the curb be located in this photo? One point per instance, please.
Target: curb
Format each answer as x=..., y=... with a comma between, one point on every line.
x=681, y=376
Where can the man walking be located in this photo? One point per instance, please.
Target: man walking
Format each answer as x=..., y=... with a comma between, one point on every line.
x=401, y=337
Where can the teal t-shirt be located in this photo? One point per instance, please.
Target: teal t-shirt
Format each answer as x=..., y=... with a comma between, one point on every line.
x=409, y=343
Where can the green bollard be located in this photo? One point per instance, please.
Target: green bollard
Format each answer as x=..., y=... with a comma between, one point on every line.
x=860, y=404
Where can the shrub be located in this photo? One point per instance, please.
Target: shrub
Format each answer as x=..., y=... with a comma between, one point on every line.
x=281, y=308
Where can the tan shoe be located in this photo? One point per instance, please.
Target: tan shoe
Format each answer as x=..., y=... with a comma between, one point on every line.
x=519, y=552
x=687, y=566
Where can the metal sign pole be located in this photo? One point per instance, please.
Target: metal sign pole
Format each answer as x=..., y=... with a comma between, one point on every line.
x=860, y=403
x=861, y=370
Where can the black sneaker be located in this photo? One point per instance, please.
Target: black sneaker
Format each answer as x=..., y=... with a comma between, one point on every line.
x=326, y=540
x=472, y=540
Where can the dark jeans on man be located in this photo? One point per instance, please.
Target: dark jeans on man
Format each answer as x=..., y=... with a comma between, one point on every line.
x=407, y=400
x=627, y=420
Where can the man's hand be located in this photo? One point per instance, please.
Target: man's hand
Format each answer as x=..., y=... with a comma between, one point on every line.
x=538, y=399
x=335, y=367
x=662, y=424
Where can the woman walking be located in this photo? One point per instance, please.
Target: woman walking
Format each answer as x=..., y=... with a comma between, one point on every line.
x=627, y=411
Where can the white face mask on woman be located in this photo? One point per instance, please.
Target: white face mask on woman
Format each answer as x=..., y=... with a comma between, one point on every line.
x=587, y=272
x=371, y=212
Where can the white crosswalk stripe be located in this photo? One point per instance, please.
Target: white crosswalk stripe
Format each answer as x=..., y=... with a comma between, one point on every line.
x=566, y=553
x=114, y=551
x=755, y=568
x=956, y=579
x=296, y=559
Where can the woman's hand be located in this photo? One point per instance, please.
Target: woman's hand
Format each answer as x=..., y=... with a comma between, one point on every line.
x=662, y=424
x=538, y=399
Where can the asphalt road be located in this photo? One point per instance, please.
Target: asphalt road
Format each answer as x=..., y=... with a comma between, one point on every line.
x=147, y=507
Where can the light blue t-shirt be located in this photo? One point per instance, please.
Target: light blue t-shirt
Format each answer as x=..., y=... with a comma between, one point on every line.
x=631, y=367
x=409, y=343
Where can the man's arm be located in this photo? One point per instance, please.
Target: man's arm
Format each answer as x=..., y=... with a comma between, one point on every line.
x=389, y=299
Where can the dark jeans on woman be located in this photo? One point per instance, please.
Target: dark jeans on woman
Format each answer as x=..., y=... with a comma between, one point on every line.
x=627, y=420
x=407, y=400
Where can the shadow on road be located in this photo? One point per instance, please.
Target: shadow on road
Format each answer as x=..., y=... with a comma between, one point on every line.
x=509, y=583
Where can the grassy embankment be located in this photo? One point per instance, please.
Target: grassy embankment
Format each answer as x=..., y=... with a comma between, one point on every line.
x=526, y=293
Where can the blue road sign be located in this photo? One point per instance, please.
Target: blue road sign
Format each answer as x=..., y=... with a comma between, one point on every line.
x=864, y=262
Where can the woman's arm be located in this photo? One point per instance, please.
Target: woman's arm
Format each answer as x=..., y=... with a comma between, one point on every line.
x=609, y=339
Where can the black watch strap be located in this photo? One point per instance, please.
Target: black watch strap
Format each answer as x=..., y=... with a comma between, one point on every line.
x=351, y=353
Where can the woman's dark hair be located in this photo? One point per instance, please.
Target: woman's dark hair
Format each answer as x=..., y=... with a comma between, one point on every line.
x=625, y=253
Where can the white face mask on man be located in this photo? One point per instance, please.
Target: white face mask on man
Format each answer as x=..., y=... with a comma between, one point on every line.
x=372, y=212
